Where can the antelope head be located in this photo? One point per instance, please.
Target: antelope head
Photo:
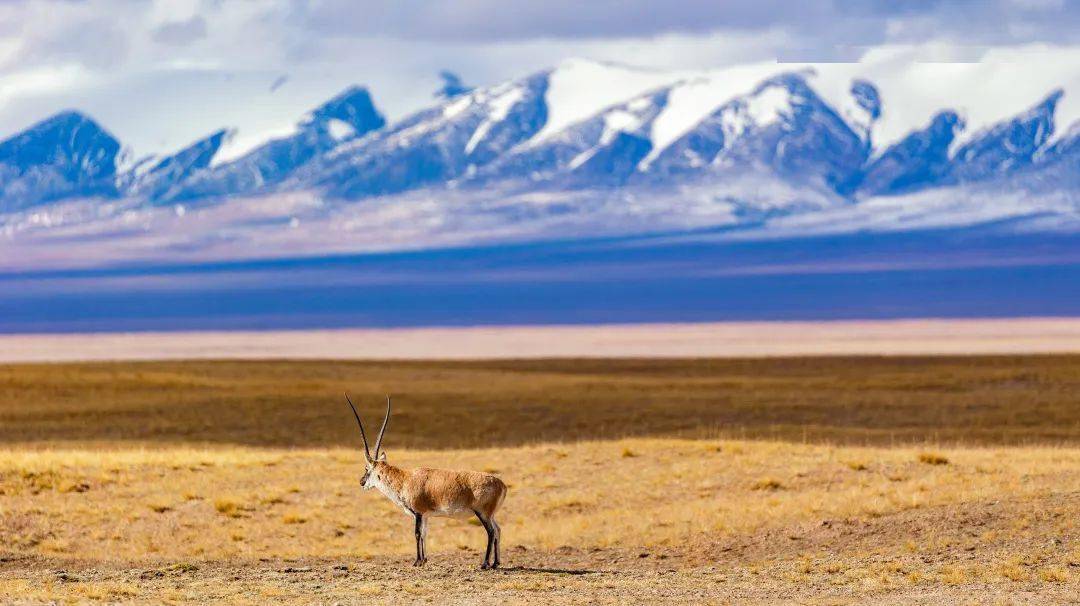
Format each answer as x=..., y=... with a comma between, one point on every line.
x=370, y=472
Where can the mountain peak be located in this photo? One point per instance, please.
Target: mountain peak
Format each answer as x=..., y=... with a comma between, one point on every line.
x=580, y=88
x=69, y=137
x=1007, y=145
x=918, y=159
x=171, y=172
x=62, y=119
x=67, y=154
x=353, y=107
x=1051, y=100
x=348, y=115
x=867, y=97
x=452, y=86
x=36, y=141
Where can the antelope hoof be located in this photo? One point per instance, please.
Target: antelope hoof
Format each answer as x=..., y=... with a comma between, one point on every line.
x=494, y=565
x=484, y=566
x=418, y=562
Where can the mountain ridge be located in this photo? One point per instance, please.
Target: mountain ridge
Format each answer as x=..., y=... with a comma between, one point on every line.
x=581, y=144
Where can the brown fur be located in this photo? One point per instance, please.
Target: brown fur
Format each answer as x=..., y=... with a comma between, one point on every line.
x=428, y=490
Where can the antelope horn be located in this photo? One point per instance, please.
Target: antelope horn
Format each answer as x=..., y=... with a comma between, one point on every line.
x=367, y=452
x=386, y=419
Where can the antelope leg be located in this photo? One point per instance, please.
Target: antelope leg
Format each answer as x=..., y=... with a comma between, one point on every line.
x=498, y=541
x=490, y=540
x=419, y=540
x=423, y=540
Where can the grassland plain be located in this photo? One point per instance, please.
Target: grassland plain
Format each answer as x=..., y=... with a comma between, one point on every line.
x=893, y=480
x=857, y=400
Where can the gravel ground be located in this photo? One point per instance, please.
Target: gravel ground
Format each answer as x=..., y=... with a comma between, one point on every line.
x=999, y=552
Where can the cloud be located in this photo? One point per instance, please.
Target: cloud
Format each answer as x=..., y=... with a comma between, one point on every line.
x=181, y=33
x=213, y=63
x=810, y=23
x=74, y=33
x=105, y=33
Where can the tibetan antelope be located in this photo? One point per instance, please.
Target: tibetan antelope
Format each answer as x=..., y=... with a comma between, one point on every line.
x=425, y=492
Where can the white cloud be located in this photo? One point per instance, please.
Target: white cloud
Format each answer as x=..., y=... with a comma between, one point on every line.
x=161, y=73
x=181, y=33
x=41, y=81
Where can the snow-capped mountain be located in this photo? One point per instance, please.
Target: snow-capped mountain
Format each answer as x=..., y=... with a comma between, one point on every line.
x=63, y=156
x=433, y=147
x=166, y=177
x=582, y=149
x=347, y=116
x=919, y=160
x=783, y=127
x=1008, y=146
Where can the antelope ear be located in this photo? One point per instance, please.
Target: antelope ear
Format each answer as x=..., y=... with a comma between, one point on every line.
x=382, y=457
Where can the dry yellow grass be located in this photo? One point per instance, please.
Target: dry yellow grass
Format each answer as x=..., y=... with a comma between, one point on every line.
x=187, y=509
x=145, y=517
x=185, y=503
x=885, y=401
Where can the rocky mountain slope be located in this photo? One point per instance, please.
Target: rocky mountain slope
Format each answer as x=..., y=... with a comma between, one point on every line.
x=579, y=147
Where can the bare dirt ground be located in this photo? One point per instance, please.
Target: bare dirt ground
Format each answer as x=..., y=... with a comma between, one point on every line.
x=735, y=339
x=974, y=560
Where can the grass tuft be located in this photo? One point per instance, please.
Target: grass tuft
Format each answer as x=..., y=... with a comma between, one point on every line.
x=228, y=507
x=1054, y=575
x=931, y=458
x=767, y=484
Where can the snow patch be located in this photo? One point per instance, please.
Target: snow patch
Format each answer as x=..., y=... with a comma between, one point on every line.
x=756, y=111
x=340, y=129
x=478, y=136
x=917, y=82
x=500, y=106
x=618, y=121
x=582, y=158
x=768, y=106
x=240, y=144
x=458, y=106
x=498, y=109
x=692, y=101
x=579, y=89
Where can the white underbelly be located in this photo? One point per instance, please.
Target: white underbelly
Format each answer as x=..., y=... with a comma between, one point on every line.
x=454, y=512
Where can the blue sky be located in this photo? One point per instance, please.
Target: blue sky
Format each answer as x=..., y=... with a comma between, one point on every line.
x=159, y=73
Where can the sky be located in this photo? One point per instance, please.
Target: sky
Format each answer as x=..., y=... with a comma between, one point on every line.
x=160, y=73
